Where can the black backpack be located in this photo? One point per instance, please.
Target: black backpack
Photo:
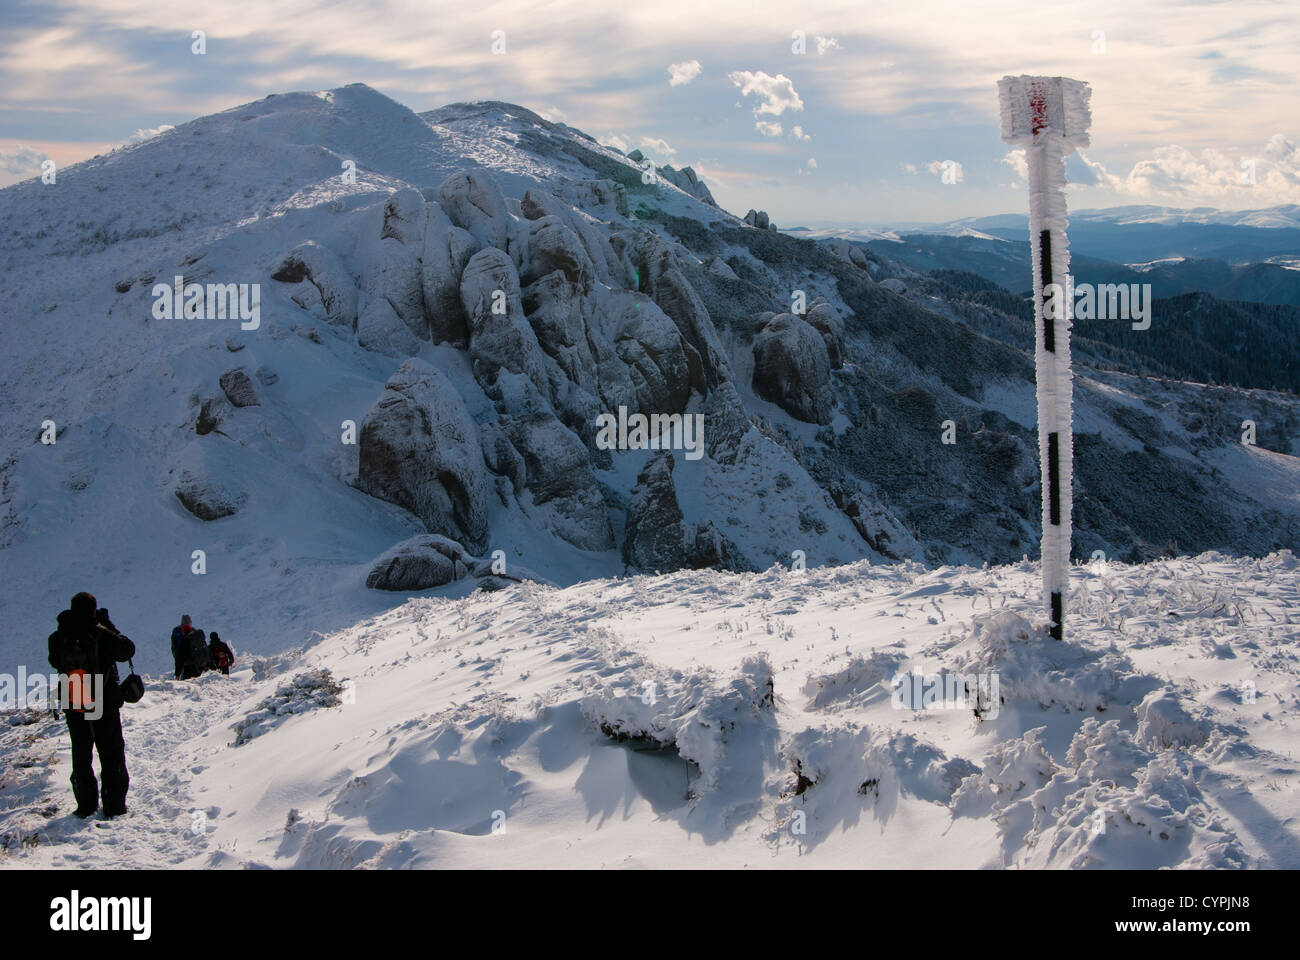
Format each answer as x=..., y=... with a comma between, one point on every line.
x=199, y=655
x=76, y=651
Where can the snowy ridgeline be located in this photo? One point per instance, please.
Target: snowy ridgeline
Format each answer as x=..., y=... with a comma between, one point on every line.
x=450, y=305
x=860, y=716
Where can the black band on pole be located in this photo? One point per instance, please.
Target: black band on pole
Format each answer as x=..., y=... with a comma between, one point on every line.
x=1054, y=478
x=1057, y=628
x=1045, y=275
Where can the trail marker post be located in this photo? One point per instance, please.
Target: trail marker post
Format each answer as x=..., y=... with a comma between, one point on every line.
x=1049, y=117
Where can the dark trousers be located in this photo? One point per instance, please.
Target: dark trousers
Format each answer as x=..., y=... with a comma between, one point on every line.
x=105, y=736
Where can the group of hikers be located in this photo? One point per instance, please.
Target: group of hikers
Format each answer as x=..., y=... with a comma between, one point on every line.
x=85, y=650
x=193, y=654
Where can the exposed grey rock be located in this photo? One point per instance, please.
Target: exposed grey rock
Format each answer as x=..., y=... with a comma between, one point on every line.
x=238, y=388
x=420, y=449
x=758, y=218
x=661, y=278
x=687, y=180
x=211, y=413
x=792, y=369
x=654, y=538
x=563, y=491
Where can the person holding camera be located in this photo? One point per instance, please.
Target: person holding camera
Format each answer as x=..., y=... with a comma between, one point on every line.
x=85, y=650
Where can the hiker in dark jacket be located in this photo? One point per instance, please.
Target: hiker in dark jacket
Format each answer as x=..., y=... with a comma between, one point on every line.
x=86, y=640
x=220, y=655
x=185, y=650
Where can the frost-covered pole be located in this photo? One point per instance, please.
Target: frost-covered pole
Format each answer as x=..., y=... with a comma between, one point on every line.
x=1049, y=117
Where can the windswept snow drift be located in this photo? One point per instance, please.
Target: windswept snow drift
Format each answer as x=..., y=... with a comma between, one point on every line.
x=713, y=719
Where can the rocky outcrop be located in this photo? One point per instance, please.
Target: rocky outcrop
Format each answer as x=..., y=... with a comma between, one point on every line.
x=420, y=449
x=686, y=179
x=323, y=269
x=661, y=278
x=823, y=318
x=238, y=388
x=759, y=219
x=499, y=333
x=658, y=539
x=563, y=494
x=473, y=201
x=380, y=329
x=793, y=370
x=447, y=249
x=654, y=538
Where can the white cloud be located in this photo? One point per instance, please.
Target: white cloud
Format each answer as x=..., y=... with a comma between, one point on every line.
x=776, y=93
x=21, y=162
x=812, y=162
x=768, y=128
x=954, y=170
x=655, y=145
x=908, y=168
x=140, y=136
x=1017, y=162
x=826, y=43
x=1210, y=177
x=614, y=140
x=800, y=135
x=684, y=72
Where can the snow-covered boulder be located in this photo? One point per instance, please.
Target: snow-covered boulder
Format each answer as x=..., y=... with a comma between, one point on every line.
x=206, y=497
x=418, y=563
x=553, y=246
x=380, y=329
x=238, y=388
x=323, y=269
x=447, y=249
x=420, y=449
x=392, y=271
x=500, y=336
x=793, y=369
x=823, y=318
x=667, y=285
x=538, y=205
x=563, y=494
x=473, y=202
x=603, y=199
x=894, y=285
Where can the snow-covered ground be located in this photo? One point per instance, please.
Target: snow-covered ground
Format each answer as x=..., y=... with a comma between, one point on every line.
x=724, y=720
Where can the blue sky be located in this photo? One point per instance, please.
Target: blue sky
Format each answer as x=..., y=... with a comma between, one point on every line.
x=1194, y=103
